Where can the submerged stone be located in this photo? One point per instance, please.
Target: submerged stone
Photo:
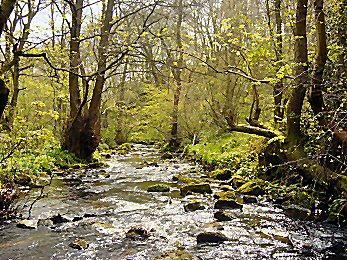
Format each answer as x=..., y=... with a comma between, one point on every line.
x=79, y=244
x=137, y=233
x=193, y=206
x=223, y=216
x=45, y=222
x=227, y=204
x=58, y=219
x=158, y=188
x=278, y=235
x=249, y=199
x=211, y=237
x=197, y=188
x=27, y=224
x=176, y=255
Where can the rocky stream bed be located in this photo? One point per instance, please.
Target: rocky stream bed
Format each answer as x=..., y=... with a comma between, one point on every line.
x=109, y=214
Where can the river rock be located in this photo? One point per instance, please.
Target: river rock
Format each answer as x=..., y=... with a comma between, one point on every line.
x=197, y=188
x=253, y=187
x=137, y=233
x=176, y=255
x=297, y=212
x=249, y=199
x=237, y=181
x=211, y=237
x=59, y=219
x=221, y=174
x=27, y=224
x=158, y=188
x=223, y=216
x=278, y=235
x=227, y=204
x=79, y=244
x=193, y=205
x=225, y=195
x=45, y=222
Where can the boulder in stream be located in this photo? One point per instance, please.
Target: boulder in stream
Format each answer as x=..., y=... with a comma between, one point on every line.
x=253, y=187
x=79, y=244
x=158, y=188
x=249, y=199
x=137, y=233
x=225, y=195
x=227, y=204
x=197, y=188
x=211, y=237
x=221, y=174
x=59, y=219
x=193, y=206
x=27, y=224
x=176, y=255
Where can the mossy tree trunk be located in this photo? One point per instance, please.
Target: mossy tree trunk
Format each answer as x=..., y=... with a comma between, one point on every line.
x=82, y=135
x=294, y=135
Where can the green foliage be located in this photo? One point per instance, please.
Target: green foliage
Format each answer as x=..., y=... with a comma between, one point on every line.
x=229, y=150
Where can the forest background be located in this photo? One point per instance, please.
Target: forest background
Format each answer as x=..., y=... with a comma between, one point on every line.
x=256, y=86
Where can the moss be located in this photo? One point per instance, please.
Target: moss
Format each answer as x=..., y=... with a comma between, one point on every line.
x=124, y=149
x=253, y=187
x=226, y=195
x=237, y=181
x=183, y=179
x=158, y=188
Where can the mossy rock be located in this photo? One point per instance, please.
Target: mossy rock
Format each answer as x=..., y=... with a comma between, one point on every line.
x=79, y=244
x=225, y=195
x=253, y=187
x=176, y=255
x=211, y=237
x=202, y=188
x=227, y=204
x=158, y=188
x=125, y=146
x=237, y=181
x=221, y=174
x=193, y=206
x=183, y=179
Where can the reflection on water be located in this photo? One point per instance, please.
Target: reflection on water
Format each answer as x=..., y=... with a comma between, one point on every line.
x=110, y=202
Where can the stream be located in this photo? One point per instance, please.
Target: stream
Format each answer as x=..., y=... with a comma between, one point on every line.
x=105, y=203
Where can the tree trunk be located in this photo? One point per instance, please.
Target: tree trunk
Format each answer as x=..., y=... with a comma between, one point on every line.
x=82, y=136
x=301, y=77
x=177, y=71
x=16, y=66
x=315, y=95
x=278, y=46
x=75, y=31
x=120, y=135
x=4, y=92
x=6, y=9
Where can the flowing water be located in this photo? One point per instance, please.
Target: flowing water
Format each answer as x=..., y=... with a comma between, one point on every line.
x=111, y=201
